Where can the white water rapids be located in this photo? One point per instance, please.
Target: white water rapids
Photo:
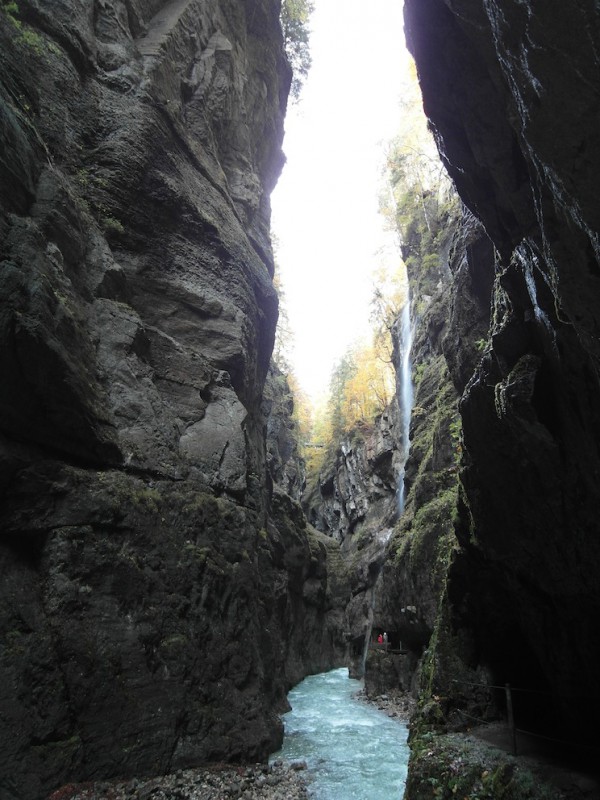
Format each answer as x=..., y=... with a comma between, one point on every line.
x=353, y=750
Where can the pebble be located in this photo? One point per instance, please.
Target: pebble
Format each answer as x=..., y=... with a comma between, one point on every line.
x=278, y=781
x=395, y=703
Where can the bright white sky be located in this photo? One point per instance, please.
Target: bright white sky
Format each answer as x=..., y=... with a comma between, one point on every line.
x=325, y=214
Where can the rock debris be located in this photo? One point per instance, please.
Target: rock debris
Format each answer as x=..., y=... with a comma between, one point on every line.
x=277, y=781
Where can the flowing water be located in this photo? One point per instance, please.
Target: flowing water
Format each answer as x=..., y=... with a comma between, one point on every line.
x=353, y=750
x=405, y=394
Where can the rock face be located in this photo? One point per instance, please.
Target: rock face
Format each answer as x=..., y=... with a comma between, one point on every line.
x=355, y=501
x=508, y=89
x=359, y=482
x=407, y=598
x=286, y=465
x=150, y=581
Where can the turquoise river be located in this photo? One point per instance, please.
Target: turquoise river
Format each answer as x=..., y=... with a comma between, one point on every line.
x=353, y=750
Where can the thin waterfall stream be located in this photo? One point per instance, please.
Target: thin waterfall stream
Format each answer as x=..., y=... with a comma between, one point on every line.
x=353, y=750
x=405, y=396
x=405, y=403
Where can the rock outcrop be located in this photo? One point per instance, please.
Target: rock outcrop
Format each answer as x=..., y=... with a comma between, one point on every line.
x=355, y=501
x=408, y=596
x=510, y=90
x=285, y=463
x=357, y=486
x=150, y=580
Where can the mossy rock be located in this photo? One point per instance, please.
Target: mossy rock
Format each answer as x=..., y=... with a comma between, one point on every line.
x=445, y=767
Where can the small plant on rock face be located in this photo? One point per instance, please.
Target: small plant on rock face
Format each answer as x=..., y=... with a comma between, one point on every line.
x=419, y=371
x=112, y=225
x=456, y=435
x=149, y=499
x=25, y=36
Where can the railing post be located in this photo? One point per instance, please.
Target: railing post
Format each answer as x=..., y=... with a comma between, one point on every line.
x=511, y=718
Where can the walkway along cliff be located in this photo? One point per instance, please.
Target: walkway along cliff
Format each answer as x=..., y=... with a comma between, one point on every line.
x=508, y=90
x=159, y=594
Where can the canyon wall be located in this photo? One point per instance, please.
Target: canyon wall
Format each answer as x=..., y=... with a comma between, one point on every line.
x=447, y=323
x=511, y=92
x=354, y=500
x=152, y=571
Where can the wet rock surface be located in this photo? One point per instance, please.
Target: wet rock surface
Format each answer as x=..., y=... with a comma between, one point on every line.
x=395, y=702
x=286, y=466
x=505, y=88
x=355, y=501
x=357, y=490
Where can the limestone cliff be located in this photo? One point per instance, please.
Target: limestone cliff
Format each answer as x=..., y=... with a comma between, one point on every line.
x=354, y=500
x=511, y=92
x=358, y=480
x=150, y=581
x=284, y=460
x=408, y=595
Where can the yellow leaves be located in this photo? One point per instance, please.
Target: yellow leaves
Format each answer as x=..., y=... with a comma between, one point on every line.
x=362, y=386
x=369, y=390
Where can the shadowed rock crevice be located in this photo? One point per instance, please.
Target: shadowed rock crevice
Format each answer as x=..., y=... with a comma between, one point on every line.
x=507, y=89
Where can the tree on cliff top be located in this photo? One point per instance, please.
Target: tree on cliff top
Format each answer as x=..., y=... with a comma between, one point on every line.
x=361, y=387
x=419, y=200
x=295, y=16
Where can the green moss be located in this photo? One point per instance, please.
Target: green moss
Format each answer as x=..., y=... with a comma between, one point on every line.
x=200, y=504
x=25, y=36
x=82, y=178
x=430, y=262
x=112, y=225
x=449, y=766
x=432, y=532
x=199, y=554
x=32, y=40
x=418, y=373
x=149, y=499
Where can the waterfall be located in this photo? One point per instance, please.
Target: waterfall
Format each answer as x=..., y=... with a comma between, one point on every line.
x=405, y=396
x=528, y=261
x=405, y=401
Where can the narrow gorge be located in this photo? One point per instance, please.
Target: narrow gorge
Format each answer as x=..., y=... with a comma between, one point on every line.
x=167, y=575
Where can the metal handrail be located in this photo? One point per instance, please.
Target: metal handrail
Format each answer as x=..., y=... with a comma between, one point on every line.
x=508, y=689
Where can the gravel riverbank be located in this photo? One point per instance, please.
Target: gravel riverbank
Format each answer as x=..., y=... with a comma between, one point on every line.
x=395, y=703
x=277, y=781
